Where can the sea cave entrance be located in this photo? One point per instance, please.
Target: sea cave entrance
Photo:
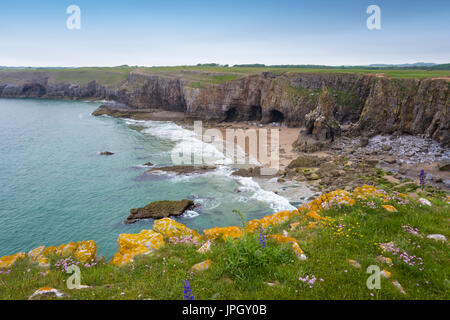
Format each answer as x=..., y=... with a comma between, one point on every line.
x=276, y=116
x=231, y=115
x=255, y=113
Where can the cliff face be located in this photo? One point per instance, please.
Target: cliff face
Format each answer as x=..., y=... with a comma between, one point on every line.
x=368, y=104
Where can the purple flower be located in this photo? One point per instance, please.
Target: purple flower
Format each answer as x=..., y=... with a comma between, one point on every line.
x=422, y=179
x=187, y=292
x=262, y=237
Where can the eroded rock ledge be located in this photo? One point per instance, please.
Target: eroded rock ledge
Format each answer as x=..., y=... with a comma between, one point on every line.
x=159, y=210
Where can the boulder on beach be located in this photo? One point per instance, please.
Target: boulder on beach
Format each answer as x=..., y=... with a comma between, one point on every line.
x=444, y=165
x=305, y=161
x=159, y=210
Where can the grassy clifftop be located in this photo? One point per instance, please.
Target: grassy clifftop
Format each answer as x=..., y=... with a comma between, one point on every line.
x=341, y=233
x=194, y=76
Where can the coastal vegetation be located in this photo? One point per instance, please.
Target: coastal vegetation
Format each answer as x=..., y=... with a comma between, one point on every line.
x=341, y=234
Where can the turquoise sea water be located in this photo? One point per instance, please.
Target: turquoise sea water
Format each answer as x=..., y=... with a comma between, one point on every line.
x=55, y=188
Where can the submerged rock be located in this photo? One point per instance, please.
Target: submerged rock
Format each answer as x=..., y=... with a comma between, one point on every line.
x=106, y=153
x=183, y=169
x=159, y=210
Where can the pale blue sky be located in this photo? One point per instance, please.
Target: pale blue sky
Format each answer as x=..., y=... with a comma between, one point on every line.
x=178, y=32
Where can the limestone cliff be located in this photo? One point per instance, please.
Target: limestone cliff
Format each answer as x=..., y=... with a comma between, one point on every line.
x=368, y=104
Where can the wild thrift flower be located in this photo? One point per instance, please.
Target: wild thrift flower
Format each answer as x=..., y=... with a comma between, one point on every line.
x=64, y=264
x=410, y=260
x=411, y=230
x=262, y=237
x=309, y=280
x=371, y=205
x=183, y=240
x=422, y=179
x=5, y=272
x=187, y=292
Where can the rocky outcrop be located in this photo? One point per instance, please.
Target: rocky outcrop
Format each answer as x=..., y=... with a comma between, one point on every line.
x=183, y=169
x=364, y=104
x=321, y=126
x=159, y=210
x=106, y=153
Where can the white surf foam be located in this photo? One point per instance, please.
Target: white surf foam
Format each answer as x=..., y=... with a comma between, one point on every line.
x=276, y=202
x=187, y=141
x=189, y=214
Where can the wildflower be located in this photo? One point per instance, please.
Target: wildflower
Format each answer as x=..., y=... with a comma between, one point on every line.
x=187, y=292
x=262, y=237
x=422, y=179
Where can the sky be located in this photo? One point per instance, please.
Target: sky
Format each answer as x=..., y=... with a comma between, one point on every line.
x=187, y=32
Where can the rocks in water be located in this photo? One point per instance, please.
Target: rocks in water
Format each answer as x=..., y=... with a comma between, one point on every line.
x=106, y=153
x=148, y=164
x=159, y=210
x=183, y=169
x=444, y=165
x=116, y=111
x=250, y=172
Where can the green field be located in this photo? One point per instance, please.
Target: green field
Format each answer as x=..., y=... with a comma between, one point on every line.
x=194, y=76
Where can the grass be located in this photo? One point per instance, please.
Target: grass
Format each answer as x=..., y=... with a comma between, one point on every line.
x=195, y=76
x=245, y=269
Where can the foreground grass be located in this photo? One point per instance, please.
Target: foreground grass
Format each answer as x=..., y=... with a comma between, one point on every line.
x=245, y=269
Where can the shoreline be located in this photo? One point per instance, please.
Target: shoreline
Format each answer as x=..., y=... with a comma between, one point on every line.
x=396, y=171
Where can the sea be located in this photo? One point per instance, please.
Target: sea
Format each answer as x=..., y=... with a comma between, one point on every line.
x=56, y=188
